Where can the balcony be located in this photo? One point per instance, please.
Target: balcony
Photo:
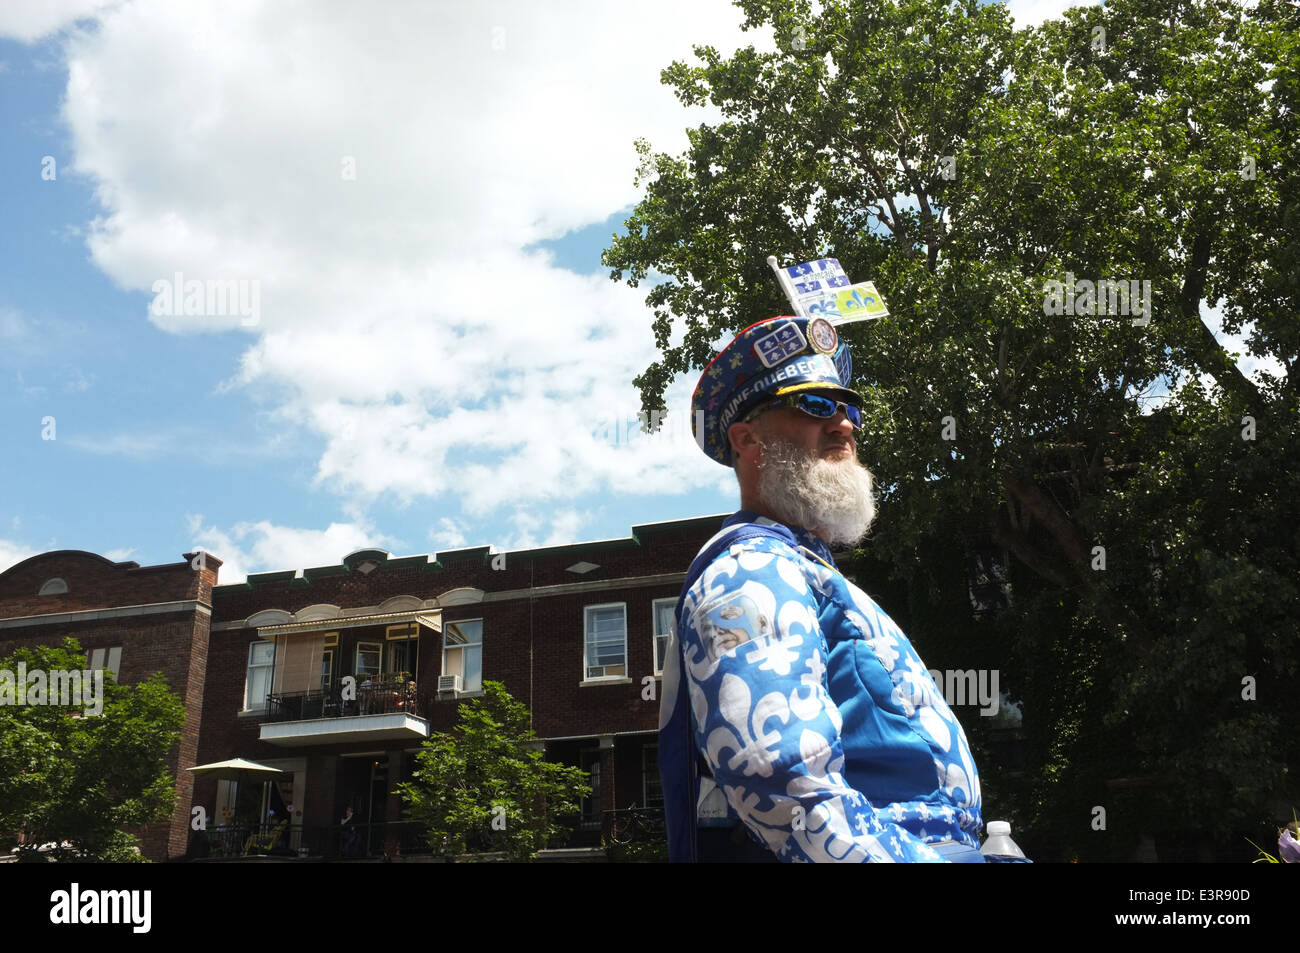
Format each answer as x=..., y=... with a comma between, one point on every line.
x=351, y=842
x=382, y=708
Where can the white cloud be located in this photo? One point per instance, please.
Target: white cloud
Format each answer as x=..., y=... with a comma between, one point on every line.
x=555, y=528
x=13, y=552
x=401, y=319
x=263, y=546
x=29, y=20
x=182, y=441
x=448, y=534
x=120, y=555
x=1248, y=364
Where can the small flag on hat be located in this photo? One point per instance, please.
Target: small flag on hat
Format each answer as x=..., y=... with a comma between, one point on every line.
x=821, y=289
x=860, y=302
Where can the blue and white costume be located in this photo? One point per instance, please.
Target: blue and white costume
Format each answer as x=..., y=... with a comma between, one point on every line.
x=815, y=715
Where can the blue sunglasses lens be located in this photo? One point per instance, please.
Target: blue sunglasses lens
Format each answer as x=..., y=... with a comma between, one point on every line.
x=824, y=407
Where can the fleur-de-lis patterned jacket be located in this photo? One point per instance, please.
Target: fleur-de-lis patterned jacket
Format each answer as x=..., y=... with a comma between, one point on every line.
x=816, y=717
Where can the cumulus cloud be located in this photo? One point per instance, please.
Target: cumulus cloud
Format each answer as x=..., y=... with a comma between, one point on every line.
x=29, y=20
x=12, y=552
x=448, y=534
x=382, y=173
x=556, y=528
x=263, y=546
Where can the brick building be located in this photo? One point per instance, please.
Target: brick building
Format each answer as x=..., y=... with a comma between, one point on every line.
x=336, y=674
x=133, y=620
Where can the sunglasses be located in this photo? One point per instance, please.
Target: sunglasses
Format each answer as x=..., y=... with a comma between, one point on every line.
x=814, y=405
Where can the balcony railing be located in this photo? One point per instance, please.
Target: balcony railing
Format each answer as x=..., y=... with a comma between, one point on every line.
x=634, y=825
x=374, y=695
x=341, y=842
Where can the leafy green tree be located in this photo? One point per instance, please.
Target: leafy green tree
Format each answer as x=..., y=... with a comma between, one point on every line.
x=962, y=164
x=81, y=782
x=486, y=787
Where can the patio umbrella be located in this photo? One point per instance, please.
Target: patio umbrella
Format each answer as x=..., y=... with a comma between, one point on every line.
x=241, y=770
x=236, y=769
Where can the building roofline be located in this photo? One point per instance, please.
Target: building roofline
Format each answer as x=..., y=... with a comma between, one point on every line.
x=472, y=554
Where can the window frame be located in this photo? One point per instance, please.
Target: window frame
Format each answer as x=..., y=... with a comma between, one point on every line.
x=587, y=666
x=248, y=674
x=407, y=635
x=109, y=658
x=656, y=635
x=462, y=647
x=356, y=660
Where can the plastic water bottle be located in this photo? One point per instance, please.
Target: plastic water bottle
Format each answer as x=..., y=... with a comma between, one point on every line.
x=999, y=842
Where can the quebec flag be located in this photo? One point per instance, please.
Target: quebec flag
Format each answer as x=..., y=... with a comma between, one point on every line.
x=814, y=285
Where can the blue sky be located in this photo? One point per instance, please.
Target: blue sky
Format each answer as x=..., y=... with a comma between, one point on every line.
x=417, y=193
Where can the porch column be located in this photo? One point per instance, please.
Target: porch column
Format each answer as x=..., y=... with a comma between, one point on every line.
x=392, y=843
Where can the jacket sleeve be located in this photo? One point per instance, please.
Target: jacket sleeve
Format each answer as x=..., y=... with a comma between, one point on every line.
x=755, y=670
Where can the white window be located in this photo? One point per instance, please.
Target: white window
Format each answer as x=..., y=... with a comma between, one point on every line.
x=369, y=655
x=462, y=653
x=261, y=657
x=110, y=659
x=606, y=627
x=663, y=626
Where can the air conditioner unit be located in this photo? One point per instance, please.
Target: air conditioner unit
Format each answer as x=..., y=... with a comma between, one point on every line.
x=448, y=683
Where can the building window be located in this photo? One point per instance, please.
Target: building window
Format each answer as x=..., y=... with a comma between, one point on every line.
x=369, y=656
x=652, y=788
x=404, y=649
x=110, y=659
x=663, y=626
x=261, y=658
x=53, y=587
x=606, y=627
x=326, y=669
x=462, y=653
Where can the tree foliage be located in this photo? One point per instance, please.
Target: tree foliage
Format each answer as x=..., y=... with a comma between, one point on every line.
x=76, y=784
x=486, y=787
x=1152, y=538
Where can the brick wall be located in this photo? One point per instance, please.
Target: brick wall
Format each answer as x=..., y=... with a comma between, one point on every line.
x=534, y=644
x=173, y=642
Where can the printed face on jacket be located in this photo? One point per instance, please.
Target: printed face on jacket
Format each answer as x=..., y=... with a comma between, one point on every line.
x=733, y=624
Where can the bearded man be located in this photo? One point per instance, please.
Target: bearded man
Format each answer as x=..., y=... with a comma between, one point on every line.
x=787, y=691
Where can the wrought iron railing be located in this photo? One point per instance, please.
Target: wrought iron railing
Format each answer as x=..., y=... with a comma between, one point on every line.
x=373, y=695
x=634, y=825
x=336, y=842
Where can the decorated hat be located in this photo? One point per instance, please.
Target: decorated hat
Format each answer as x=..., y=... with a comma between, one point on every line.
x=770, y=358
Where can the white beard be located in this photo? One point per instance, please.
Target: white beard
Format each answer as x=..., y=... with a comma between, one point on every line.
x=831, y=498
